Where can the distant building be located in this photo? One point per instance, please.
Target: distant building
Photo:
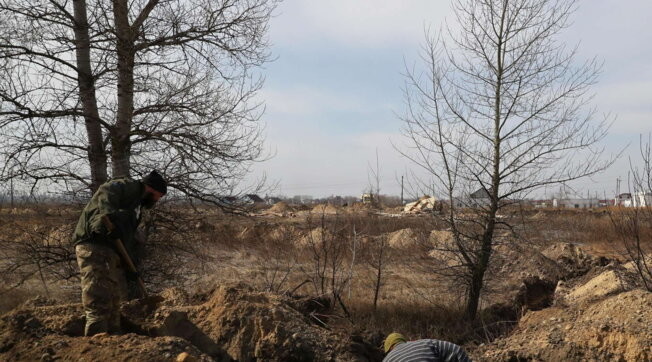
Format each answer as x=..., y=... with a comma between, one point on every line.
x=302, y=199
x=539, y=204
x=642, y=199
x=244, y=200
x=367, y=198
x=271, y=200
x=576, y=203
x=480, y=197
x=228, y=200
x=251, y=199
x=624, y=200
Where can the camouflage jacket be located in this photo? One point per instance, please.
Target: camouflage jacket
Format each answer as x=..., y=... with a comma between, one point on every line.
x=119, y=199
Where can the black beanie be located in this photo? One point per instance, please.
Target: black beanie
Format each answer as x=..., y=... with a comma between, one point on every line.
x=156, y=181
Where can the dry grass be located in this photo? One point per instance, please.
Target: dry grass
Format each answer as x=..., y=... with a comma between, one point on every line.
x=199, y=248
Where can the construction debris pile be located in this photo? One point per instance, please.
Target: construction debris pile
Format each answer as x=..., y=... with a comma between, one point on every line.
x=424, y=204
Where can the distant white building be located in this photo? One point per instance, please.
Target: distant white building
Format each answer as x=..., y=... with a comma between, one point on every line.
x=576, y=203
x=624, y=200
x=641, y=199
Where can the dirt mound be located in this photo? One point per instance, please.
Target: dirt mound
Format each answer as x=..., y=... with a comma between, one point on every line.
x=360, y=209
x=593, y=332
x=327, y=209
x=252, y=325
x=403, y=238
x=598, y=284
x=255, y=233
x=280, y=208
x=524, y=277
x=231, y=323
x=174, y=297
x=567, y=252
x=560, y=261
x=642, y=266
x=443, y=249
x=315, y=237
x=54, y=333
x=284, y=233
x=443, y=237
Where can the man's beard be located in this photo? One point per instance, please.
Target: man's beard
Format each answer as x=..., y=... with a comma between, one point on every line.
x=148, y=201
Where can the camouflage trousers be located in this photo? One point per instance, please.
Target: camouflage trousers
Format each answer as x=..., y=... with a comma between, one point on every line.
x=103, y=286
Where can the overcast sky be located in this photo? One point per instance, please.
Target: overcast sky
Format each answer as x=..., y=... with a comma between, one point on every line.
x=334, y=91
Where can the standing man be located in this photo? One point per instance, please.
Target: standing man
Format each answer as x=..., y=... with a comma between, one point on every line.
x=103, y=273
x=398, y=349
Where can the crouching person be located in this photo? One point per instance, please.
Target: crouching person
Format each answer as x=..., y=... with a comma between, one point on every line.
x=103, y=273
x=398, y=349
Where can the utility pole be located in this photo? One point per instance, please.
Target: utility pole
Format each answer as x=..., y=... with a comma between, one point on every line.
x=377, y=178
x=401, y=190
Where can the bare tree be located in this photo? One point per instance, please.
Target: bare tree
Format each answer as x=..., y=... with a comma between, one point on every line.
x=500, y=109
x=131, y=85
x=634, y=225
x=379, y=260
x=327, y=245
x=373, y=176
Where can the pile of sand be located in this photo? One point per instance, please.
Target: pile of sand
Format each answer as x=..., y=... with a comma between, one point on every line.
x=403, y=239
x=283, y=233
x=316, y=237
x=327, y=209
x=360, y=209
x=441, y=237
x=597, y=284
x=255, y=233
x=280, y=208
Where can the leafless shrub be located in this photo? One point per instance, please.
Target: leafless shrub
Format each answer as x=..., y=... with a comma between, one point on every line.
x=279, y=261
x=634, y=225
x=39, y=252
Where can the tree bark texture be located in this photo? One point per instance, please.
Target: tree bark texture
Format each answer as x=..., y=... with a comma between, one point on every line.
x=120, y=141
x=96, y=151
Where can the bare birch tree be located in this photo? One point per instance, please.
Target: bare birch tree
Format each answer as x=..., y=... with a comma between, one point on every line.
x=95, y=88
x=500, y=109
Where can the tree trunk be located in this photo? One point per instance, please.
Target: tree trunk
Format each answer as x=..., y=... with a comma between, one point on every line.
x=477, y=277
x=480, y=267
x=96, y=150
x=120, y=140
x=379, y=275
